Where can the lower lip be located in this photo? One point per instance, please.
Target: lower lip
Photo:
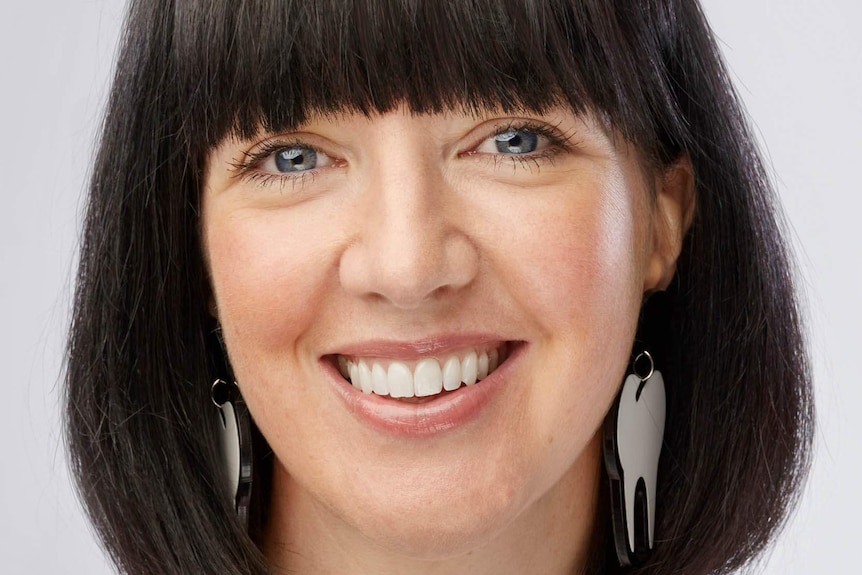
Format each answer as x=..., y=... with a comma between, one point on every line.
x=449, y=411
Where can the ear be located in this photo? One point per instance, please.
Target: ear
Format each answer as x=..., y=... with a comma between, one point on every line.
x=673, y=211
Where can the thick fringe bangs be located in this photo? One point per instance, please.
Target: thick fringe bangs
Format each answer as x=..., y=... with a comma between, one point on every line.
x=272, y=64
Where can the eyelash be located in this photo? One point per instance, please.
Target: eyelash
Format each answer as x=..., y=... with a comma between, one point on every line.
x=557, y=143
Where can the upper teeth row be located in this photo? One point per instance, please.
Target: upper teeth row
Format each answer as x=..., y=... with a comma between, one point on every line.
x=427, y=378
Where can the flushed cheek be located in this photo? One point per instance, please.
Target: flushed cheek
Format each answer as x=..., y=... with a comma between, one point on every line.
x=577, y=273
x=266, y=282
x=268, y=289
x=577, y=267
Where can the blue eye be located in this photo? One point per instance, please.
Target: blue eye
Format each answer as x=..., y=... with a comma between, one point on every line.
x=522, y=144
x=295, y=159
x=516, y=142
x=280, y=161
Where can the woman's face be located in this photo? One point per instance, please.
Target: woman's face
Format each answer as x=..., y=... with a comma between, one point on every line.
x=395, y=251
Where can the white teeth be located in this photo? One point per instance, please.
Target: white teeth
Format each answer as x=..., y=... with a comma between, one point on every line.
x=428, y=379
x=379, y=380
x=483, y=366
x=452, y=374
x=354, y=374
x=400, y=380
x=469, y=368
x=365, y=377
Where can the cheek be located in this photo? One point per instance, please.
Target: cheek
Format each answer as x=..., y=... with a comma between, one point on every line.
x=265, y=281
x=577, y=269
x=269, y=274
x=577, y=264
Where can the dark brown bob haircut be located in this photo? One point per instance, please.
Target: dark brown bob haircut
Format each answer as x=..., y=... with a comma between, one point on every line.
x=142, y=353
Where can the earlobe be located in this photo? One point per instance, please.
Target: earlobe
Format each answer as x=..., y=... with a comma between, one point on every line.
x=673, y=212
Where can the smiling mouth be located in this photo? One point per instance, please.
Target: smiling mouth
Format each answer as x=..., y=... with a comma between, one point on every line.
x=424, y=379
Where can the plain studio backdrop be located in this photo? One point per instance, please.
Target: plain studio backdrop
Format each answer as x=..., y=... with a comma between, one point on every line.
x=797, y=65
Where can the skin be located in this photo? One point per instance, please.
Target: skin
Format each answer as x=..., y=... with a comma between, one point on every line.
x=416, y=227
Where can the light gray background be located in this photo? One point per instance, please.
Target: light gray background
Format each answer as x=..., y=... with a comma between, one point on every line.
x=798, y=66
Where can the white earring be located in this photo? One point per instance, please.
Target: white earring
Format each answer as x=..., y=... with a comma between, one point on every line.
x=236, y=445
x=633, y=435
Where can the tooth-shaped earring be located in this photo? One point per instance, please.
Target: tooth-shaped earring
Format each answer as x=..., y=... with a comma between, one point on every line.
x=235, y=427
x=633, y=434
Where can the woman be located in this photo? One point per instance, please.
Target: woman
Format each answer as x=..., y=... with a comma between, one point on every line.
x=449, y=253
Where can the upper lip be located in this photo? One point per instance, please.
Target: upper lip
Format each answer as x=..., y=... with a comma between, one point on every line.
x=417, y=348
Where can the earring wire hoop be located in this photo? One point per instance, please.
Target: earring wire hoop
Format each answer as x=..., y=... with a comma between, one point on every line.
x=644, y=355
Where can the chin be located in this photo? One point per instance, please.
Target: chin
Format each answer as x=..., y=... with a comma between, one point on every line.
x=440, y=524
x=431, y=540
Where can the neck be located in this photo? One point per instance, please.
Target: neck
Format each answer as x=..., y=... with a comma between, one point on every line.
x=552, y=535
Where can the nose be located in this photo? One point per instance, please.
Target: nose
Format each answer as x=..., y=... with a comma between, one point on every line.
x=410, y=246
